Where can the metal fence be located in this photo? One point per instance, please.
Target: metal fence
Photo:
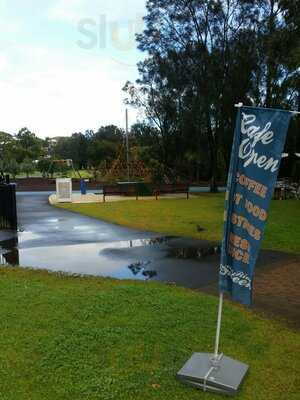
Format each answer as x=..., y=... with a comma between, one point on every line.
x=8, y=207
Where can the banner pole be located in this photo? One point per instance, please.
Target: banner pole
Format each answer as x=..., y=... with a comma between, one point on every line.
x=216, y=372
x=220, y=310
x=239, y=105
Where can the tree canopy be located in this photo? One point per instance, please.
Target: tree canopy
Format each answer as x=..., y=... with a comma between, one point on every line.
x=202, y=58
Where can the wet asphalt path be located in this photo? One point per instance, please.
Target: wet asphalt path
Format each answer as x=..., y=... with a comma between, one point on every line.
x=59, y=240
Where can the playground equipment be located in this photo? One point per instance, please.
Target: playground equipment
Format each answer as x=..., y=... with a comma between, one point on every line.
x=118, y=170
x=68, y=163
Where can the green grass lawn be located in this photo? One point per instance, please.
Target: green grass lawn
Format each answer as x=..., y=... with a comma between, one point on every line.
x=181, y=217
x=68, y=338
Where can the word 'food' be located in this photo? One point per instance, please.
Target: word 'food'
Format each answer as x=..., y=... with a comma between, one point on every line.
x=255, y=210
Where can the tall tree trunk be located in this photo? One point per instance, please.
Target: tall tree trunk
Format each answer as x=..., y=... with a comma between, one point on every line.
x=270, y=62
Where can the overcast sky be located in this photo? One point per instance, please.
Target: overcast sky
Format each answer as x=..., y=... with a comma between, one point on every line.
x=63, y=63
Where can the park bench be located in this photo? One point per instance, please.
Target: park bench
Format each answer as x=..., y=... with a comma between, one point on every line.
x=284, y=189
x=119, y=190
x=171, y=188
x=132, y=190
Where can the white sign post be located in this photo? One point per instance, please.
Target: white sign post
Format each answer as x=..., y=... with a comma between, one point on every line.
x=64, y=190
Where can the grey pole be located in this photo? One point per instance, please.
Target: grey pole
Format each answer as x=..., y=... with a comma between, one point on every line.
x=220, y=310
x=127, y=147
x=214, y=372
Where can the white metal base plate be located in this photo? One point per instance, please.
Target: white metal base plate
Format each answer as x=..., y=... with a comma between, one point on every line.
x=225, y=378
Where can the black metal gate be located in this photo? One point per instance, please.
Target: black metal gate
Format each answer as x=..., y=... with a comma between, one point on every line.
x=8, y=207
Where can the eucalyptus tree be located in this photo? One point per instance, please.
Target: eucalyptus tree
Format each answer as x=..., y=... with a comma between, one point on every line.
x=278, y=48
x=202, y=57
x=196, y=66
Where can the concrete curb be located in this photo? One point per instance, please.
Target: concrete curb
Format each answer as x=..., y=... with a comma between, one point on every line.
x=98, y=198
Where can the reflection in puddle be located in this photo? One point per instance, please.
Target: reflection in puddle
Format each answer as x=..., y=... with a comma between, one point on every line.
x=52, y=220
x=149, y=242
x=194, y=252
x=131, y=244
x=139, y=268
x=9, y=253
x=82, y=228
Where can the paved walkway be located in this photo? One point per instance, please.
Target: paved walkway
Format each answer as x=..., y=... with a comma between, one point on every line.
x=59, y=240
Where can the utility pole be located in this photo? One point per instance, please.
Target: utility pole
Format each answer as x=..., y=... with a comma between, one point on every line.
x=127, y=148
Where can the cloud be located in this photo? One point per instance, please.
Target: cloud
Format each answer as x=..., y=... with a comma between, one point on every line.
x=3, y=62
x=74, y=10
x=9, y=27
x=52, y=84
x=54, y=96
x=66, y=10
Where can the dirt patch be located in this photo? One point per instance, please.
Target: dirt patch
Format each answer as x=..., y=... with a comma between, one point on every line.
x=276, y=292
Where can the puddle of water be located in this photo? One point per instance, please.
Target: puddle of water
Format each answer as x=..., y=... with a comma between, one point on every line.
x=81, y=228
x=94, y=258
x=194, y=252
x=142, y=259
x=27, y=235
x=53, y=220
x=83, y=259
